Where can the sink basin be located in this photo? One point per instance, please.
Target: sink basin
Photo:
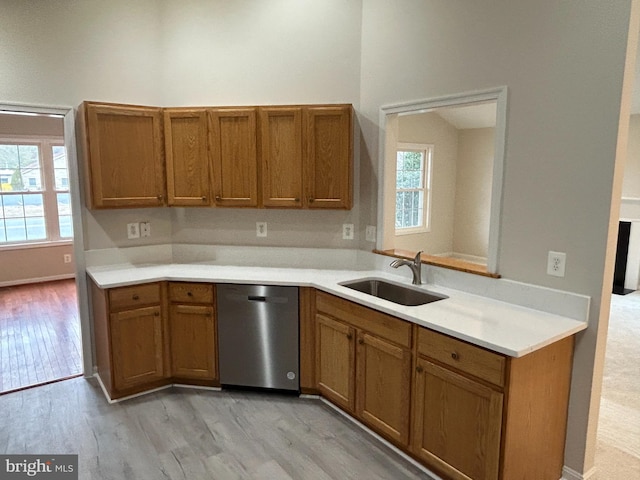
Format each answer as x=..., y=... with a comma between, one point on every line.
x=392, y=292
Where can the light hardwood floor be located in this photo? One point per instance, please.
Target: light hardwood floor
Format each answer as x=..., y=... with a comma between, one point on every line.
x=194, y=434
x=39, y=334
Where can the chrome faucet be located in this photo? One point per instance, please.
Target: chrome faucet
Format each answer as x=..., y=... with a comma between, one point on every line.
x=415, y=266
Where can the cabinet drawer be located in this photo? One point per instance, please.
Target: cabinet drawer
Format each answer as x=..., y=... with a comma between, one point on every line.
x=137, y=295
x=190, y=292
x=468, y=358
x=372, y=321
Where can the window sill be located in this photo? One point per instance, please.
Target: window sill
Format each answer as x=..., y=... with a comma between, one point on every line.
x=451, y=263
x=26, y=246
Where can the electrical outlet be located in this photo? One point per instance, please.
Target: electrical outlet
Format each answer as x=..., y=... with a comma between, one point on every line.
x=67, y=258
x=133, y=230
x=145, y=229
x=347, y=231
x=370, y=233
x=556, y=263
x=261, y=229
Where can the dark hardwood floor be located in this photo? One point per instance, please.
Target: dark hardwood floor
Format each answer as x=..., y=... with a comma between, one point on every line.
x=39, y=334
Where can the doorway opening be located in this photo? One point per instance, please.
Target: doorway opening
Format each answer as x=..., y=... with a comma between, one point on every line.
x=40, y=334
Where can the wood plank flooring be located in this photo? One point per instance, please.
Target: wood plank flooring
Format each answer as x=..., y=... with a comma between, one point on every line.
x=194, y=434
x=39, y=334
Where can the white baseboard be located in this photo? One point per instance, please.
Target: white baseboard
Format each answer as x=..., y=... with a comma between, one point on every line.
x=571, y=474
x=53, y=278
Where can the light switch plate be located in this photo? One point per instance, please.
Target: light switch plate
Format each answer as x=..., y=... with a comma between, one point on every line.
x=261, y=229
x=145, y=229
x=370, y=233
x=133, y=230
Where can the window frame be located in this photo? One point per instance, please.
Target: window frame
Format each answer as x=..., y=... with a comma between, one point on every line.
x=49, y=192
x=428, y=151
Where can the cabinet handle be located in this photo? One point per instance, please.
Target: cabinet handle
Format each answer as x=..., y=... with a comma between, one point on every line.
x=455, y=355
x=311, y=199
x=156, y=314
x=297, y=200
x=349, y=336
x=160, y=197
x=419, y=369
x=204, y=199
x=136, y=297
x=218, y=198
x=361, y=341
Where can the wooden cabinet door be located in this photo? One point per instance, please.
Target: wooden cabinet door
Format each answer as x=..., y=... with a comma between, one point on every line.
x=383, y=387
x=281, y=156
x=456, y=423
x=329, y=157
x=137, y=347
x=125, y=156
x=193, y=342
x=232, y=134
x=335, y=367
x=187, y=157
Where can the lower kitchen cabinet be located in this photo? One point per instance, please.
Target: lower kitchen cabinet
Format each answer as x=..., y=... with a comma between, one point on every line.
x=192, y=333
x=131, y=344
x=479, y=415
x=456, y=423
x=137, y=347
x=383, y=387
x=367, y=372
x=335, y=369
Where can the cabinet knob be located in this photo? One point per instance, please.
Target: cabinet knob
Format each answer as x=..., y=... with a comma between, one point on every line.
x=297, y=200
x=218, y=198
x=160, y=197
x=136, y=297
x=455, y=355
x=349, y=336
x=311, y=199
x=361, y=341
x=204, y=199
x=189, y=294
x=156, y=314
x=419, y=369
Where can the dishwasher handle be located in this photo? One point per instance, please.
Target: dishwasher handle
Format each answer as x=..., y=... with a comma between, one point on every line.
x=256, y=298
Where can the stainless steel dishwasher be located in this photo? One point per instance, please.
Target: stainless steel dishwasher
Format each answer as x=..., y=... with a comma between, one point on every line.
x=258, y=336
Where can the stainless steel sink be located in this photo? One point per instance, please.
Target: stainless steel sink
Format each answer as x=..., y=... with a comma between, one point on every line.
x=392, y=292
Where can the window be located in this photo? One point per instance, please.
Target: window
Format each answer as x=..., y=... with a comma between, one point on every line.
x=34, y=193
x=413, y=187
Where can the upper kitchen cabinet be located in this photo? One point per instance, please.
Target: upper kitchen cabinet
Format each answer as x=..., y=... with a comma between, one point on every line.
x=329, y=158
x=187, y=157
x=232, y=137
x=124, y=156
x=281, y=156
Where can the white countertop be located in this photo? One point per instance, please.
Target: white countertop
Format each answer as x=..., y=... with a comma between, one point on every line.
x=506, y=328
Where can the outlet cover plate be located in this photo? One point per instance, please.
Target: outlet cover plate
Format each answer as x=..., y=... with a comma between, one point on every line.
x=556, y=263
x=347, y=231
x=261, y=229
x=133, y=230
